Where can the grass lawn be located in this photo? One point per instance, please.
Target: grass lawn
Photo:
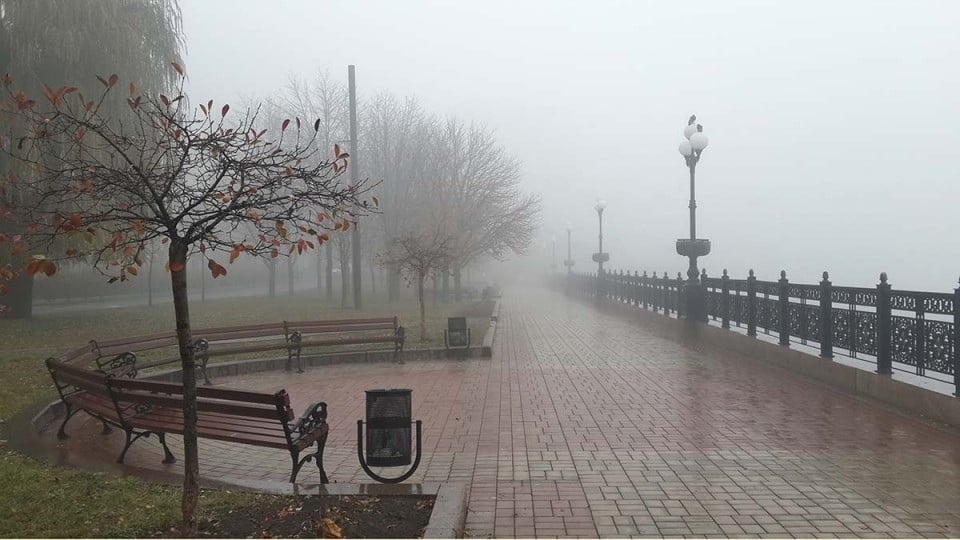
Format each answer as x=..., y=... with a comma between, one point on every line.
x=38, y=500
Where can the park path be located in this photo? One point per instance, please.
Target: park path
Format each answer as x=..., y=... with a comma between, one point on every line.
x=584, y=424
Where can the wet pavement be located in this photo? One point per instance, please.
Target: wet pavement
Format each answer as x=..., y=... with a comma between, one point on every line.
x=583, y=424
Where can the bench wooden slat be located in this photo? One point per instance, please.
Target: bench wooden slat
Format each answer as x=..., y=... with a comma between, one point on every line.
x=159, y=400
x=144, y=407
x=337, y=322
x=264, y=428
x=346, y=341
x=155, y=424
x=202, y=391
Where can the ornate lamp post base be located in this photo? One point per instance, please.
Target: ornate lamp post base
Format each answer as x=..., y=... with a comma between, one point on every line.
x=600, y=258
x=695, y=292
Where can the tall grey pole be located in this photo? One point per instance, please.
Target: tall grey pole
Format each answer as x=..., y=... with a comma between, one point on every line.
x=354, y=164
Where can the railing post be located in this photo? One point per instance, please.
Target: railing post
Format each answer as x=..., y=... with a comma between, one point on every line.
x=955, y=350
x=680, y=303
x=706, y=295
x=884, y=359
x=784, y=309
x=725, y=300
x=636, y=288
x=751, y=304
x=826, y=317
x=644, y=289
x=921, y=335
x=624, y=278
x=654, y=293
x=665, y=294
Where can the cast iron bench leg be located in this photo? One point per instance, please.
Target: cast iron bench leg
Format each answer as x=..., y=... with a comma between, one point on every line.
x=168, y=456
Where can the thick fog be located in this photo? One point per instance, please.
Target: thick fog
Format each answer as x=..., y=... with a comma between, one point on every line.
x=832, y=125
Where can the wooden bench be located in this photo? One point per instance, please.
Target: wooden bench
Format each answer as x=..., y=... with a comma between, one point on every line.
x=291, y=337
x=302, y=334
x=142, y=408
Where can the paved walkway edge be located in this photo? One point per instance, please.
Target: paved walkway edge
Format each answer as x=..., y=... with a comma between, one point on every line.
x=707, y=339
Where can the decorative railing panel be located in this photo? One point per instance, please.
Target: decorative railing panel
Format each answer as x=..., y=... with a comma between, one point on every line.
x=865, y=332
x=906, y=330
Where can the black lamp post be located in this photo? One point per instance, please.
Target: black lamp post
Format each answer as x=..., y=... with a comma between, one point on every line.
x=600, y=257
x=553, y=255
x=569, y=262
x=696, y=294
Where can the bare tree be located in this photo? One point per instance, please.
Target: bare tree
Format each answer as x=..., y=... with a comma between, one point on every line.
x=481, y=183
x=191, y=178
x=417, y=252
x=325, y=99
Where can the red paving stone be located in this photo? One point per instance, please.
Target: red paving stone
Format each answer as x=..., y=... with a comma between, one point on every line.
x=583, y=424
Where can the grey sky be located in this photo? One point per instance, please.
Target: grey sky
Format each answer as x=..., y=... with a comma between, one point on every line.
x=832, y=125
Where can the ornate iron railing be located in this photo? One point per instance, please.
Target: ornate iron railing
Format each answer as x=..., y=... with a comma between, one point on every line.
x=893, y=329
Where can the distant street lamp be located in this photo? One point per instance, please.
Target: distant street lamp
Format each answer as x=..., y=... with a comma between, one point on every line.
x=553, y=256
x=691, y=149
x=600, y=257
x=569, y=262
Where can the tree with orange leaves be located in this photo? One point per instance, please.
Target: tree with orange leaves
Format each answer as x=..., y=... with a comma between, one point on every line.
x=203, y=182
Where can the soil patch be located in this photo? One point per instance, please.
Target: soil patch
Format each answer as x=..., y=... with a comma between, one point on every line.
x=323, y=516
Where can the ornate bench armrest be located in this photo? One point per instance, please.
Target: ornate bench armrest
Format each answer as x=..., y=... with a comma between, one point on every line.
x=312, y=418
x=121, y=365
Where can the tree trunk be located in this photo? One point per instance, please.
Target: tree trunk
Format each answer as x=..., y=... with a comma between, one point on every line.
x=319, y=270
x=344, y=275
x=272, y=267
x=191, y=466
x=373, y=278
x=433, y=281
x=445, y=295
x=290, y=275
x=150, y=280
x=393, y=283
x=20, y=297
x=423, y=310
x=203, y=282
x=329, y=271
x=457, y=291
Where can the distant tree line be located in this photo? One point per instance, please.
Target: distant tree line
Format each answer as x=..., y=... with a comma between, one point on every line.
x=449, y=194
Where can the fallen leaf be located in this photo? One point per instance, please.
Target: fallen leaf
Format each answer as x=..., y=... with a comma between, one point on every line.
x=329, y=529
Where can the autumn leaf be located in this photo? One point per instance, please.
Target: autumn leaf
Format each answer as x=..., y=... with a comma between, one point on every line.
x=224, y=110
x=113, y=80
x=177, y=68
x=48, y=268
x=175, y=267
x=216, y=270
x=316, y=125
x=132, y=88
x=132, y=270
x=286, y=123
x=329, y=529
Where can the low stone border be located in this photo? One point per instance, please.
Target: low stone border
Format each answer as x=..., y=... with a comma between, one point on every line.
x=885, y=389
x=486, y=348
x=55, y=409
x=447, y=519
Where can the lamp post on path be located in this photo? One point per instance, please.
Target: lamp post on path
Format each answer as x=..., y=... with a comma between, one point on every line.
x=696, y=293
x=569, y=262
x=600, y=257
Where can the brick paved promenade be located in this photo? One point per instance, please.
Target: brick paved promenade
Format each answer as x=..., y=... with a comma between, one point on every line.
x=582, y=424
